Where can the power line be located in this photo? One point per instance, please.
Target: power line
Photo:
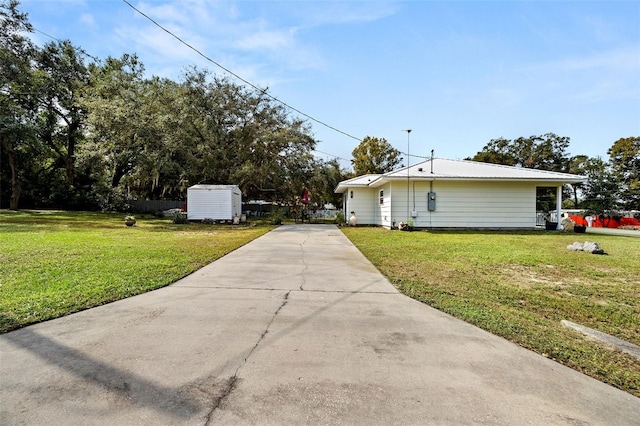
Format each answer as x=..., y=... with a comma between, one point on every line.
x=414, y=155
x=81, y=50
x=263, y=91
x=240, y=78
x=337, y=157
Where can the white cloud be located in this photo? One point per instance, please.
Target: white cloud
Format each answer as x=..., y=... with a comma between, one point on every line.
x=87, y=19
x=164, y=13
x=336, y=12
x=255, y=41
x=270, y=40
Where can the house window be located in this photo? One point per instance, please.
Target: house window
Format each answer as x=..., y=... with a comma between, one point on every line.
x=381, y=197
x=351, y=195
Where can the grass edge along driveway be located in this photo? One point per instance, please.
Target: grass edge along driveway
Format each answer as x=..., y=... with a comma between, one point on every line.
x=53, y=263
x=520, y=285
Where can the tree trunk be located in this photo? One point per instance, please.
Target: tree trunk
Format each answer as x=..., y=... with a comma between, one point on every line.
x=70, y=158
x=16, y=185
x=118, y=174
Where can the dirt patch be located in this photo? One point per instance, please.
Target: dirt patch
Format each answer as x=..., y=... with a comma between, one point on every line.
x=528, y=277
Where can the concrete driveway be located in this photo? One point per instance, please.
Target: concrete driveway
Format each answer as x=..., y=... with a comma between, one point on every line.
x=610, y=231
x=296, y=327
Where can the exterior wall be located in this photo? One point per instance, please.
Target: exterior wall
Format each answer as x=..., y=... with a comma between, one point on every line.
x=399, y=211
x=218, y=204
x=458, y=204
x=236, y=205
x=383, y=209
x=363, y=204
x=474, y=205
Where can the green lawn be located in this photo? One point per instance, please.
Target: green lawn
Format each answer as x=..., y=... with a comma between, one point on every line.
x=53, y=263
x=520, y=285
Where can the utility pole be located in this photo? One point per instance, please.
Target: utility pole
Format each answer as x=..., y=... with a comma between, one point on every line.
x=408, y=166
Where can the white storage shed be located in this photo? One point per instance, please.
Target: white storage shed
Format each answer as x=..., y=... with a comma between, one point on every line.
x=218, y=202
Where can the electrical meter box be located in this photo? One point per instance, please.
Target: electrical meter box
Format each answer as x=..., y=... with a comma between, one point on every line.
x=431, y=201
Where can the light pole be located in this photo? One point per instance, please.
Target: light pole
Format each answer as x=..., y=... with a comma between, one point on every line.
x=408, y=165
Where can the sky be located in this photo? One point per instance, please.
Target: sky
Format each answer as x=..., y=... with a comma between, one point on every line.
x=457, y=73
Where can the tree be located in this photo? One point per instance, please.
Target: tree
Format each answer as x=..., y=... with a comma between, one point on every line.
x=497, y=151
x=125, y=114
x=578, y=166
x=17, y=104
x=243, y=136
x=374, y=155
x=325, y=179
x=114, y=102
x=63, y=78
x=77, y=133
x=600, y=191
x=545, y=152
x=624, y=157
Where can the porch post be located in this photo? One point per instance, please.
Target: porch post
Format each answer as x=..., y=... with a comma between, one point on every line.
x=345, y=202
x=559, y=206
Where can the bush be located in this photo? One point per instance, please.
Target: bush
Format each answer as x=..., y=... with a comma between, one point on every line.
x=277, y=216
x=180, y=218
x=339, y=218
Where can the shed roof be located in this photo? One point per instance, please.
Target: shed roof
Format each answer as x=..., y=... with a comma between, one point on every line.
x=213, y=187
x=461, y=170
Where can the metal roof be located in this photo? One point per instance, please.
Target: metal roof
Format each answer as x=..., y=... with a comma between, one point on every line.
x=461, y=170
x=213, y=187
x=363, y=180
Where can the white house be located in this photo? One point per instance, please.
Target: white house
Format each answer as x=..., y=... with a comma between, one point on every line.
x=219, y=202
x=441, y=193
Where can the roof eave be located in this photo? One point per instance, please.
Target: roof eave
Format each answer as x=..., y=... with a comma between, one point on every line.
x=493, y=179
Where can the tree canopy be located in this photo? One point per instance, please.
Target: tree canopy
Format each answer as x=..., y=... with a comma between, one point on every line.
x=80, y=132
x=624, y=157
x=374, y=155
x=545, y=152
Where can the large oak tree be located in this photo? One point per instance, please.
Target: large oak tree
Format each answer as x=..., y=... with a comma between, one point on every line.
x=374, y=155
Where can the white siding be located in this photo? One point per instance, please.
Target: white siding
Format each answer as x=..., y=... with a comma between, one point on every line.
x=476, y=205
x=399, y=210
x=458, y=204
x=236, y=206
x=363, y=204
x=383, y=210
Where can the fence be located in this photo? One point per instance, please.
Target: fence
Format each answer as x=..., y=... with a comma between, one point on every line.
x=152, y=206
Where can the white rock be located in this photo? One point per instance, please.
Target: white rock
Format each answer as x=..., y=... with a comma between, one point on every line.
x=575, y=246
x=592, y=247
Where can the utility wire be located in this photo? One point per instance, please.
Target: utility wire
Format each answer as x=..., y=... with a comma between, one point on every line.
x=413, y=155
x=337, y=157
x=61, y=41
x=238, y=77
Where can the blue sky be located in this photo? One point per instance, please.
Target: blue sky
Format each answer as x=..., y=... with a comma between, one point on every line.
x=458, y=73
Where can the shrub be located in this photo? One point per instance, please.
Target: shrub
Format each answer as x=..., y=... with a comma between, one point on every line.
x=277, y=216
x=180, y=218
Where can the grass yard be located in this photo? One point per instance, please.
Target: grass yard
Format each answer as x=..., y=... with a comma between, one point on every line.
x=520, y=285
x=53, y=263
